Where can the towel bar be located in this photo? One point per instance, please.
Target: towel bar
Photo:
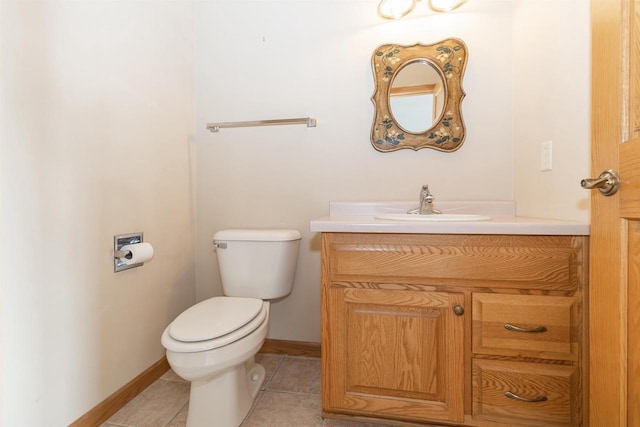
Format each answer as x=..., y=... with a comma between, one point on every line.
x=310, y=122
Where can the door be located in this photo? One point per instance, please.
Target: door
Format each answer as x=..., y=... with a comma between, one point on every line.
x=614, y=389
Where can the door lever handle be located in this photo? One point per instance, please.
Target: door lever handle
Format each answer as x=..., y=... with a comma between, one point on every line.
x=607, y=183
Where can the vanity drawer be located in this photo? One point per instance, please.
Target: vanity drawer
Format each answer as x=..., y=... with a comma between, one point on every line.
x=495, y=261
x=541, y=394
x=538, y=326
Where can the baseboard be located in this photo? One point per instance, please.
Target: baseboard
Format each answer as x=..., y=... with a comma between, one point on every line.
x=292, y=348
x=112, y=404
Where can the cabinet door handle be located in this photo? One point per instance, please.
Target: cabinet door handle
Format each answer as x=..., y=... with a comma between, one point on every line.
x=511, y=327
x=458, y=310
x=541, y=398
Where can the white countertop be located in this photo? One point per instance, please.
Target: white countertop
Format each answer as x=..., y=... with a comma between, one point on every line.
x=359, y=217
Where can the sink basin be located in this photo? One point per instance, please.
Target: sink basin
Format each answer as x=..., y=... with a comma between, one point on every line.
x=434, y=217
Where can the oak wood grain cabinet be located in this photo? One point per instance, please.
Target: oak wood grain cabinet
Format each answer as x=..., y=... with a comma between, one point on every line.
x=477, y=330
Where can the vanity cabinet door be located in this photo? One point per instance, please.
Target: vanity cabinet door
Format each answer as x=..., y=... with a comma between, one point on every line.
x=393, y=353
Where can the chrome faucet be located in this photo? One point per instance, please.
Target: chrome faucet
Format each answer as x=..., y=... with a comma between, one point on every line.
x=426, y=203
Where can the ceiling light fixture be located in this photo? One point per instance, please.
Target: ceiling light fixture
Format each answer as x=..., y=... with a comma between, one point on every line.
x=445, y=5
x=395, y=9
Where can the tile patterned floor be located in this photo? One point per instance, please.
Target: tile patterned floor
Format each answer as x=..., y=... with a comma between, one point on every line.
x=290, y=397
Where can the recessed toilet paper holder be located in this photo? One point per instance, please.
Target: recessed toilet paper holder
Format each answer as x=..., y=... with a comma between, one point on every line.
x=118, y=254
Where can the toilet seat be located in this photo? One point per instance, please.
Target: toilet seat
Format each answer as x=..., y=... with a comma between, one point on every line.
x=213, y=318
x=214, y=323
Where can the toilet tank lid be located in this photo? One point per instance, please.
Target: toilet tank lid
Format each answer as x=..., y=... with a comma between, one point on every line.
x=258, y=235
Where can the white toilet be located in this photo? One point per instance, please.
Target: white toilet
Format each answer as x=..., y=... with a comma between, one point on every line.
x=213, y=343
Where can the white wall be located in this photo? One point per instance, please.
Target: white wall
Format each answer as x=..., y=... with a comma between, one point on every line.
x=277, y=59
x=97, y=117
x=552, y=96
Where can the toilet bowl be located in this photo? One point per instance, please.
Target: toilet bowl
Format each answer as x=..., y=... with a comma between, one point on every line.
x=224, y=377
x=213, y=343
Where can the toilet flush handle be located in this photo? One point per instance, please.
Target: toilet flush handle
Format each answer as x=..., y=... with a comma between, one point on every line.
x=220, y=245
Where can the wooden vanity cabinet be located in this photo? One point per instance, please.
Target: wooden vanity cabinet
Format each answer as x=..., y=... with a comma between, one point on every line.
x=413, y=329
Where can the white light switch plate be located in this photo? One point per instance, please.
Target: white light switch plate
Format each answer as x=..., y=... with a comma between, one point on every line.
x=546, y=156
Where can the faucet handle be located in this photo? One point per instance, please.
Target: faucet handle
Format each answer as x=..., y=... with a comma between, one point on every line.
x=424, y=192
x=426, y=202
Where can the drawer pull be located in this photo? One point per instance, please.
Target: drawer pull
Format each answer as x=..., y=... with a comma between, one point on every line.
x=541, y=398
x=511, y=327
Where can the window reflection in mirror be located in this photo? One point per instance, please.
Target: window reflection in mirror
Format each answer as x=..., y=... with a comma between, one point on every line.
x=416, y=96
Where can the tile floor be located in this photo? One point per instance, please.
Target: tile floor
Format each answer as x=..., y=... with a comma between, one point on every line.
x=290, y=397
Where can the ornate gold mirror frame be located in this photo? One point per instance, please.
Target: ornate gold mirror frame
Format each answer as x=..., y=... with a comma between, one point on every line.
x=447, y=60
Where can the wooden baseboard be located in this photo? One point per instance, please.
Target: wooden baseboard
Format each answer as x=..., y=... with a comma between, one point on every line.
x=292, y=348
x=112, y=404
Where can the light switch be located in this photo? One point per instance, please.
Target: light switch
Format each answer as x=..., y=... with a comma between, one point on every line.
x=546, y=156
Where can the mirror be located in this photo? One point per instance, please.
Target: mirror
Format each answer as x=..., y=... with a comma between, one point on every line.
x=418, y=96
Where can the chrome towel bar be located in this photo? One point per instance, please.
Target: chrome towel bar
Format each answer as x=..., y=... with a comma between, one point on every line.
x=310, y=122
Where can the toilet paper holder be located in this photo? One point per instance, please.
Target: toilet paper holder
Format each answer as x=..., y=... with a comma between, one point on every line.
x=118, y=254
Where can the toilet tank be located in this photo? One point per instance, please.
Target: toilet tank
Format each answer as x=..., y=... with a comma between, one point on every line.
x=257, y=263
